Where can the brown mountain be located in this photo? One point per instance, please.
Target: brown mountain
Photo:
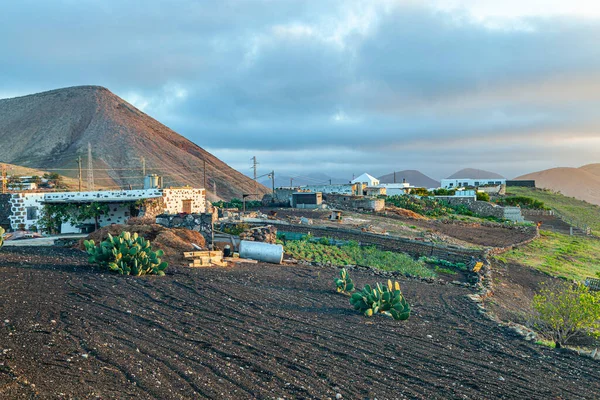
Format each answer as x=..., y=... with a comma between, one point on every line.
x=472, y=173
x=583, y=183
x=49, y=130
x=415, y=178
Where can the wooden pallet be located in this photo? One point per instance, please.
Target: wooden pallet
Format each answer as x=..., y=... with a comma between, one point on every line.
x=205, y=258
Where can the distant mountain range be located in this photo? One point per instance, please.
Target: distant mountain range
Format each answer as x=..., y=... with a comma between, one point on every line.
x=472, y=173
x=415, y=178
x=50, y=130
x=583, y=183
x=315, y=178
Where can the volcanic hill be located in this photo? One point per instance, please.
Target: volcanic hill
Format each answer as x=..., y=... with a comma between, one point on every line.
x=582, y=183
x=472, y=173
x=415, y=178
x=49, y=130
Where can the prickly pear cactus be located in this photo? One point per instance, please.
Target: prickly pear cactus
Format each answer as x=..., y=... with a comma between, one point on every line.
x=126, y=254
x=1, y=236
x=344, y=283
x=382, y=299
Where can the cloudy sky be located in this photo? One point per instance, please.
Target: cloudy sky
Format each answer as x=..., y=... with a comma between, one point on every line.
x=338, y=86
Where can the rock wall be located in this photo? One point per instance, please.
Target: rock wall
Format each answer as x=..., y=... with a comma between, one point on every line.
x=202, y=223
x=354, y=202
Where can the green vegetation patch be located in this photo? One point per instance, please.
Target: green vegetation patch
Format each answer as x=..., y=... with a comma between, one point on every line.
x=570, y=257
x=353, y=254
x=578, y=211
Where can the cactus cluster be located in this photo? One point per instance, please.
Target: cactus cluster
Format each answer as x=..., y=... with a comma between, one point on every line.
x=383, y=299
x=344, y=283
x=127, y=254
x=1, y=236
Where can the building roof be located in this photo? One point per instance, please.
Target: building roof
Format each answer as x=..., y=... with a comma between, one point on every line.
x=365, y=178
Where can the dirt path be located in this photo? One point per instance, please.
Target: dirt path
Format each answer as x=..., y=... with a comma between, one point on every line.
x=254, y=331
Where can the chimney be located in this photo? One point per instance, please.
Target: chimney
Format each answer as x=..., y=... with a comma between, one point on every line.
x=403, y=180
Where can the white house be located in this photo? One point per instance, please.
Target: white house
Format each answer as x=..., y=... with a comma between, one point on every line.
x=366, y=179
x=396, y=189
x=27, y=208
x=464, y=182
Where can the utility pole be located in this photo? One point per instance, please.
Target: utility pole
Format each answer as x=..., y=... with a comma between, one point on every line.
x=254, y=166
x=143, y=159
x=79, y=168
x=90, y=171
x=272, y=176
x=330, y=182
x=394, y=176
x=291, y=180
x=204, y=169
x=3, y=178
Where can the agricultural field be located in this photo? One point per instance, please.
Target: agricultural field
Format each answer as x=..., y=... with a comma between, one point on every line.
x=558, y=255
x=353, y=254
x=255, y=331
x=577, y=211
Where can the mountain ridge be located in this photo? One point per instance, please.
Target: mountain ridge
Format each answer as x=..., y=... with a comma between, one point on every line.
x=54, y=128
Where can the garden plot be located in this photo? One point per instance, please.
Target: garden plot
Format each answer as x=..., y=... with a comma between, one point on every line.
x=254, y=331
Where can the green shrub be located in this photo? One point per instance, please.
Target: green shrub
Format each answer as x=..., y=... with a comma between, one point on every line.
x=564, y=310
x=1, y=236
x=523, y=202
x=424, y=206
x=126, y=254
x=236, y=229
x=344, y=283
x=382, y=299
x=483, y=196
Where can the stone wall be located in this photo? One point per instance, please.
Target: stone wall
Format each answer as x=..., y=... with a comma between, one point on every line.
x=5, y=210
x=202, y=223
x=536, y=213
x=173, y=200
x=354, y=202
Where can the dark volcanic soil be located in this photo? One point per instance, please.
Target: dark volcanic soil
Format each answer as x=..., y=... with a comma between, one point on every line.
x=254, y=331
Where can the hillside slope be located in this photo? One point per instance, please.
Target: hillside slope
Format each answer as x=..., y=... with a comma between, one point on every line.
x=581, y=183
x=50, y=129
x=472, y=173
x=415, y=178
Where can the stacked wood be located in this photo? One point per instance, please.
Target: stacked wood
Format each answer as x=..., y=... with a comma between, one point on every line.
x=205, y=258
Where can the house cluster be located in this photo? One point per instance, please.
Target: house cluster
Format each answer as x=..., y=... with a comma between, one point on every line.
x=363, y=192
x=24, y=210
x=368, y=193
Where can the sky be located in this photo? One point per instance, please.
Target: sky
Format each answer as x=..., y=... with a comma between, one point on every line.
x=339, y=87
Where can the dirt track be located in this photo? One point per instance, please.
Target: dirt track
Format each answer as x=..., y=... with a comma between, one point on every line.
x=254, y=331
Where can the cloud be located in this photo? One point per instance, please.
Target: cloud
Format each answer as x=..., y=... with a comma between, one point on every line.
x=336, y=85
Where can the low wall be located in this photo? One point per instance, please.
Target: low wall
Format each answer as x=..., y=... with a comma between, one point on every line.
x=354, y=202
x=536, y=213
x=202, y=223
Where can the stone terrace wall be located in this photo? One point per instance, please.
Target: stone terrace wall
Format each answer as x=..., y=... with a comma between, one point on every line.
x=5, y=210
x=202, y=223
x=354, y=202
x=415, y=248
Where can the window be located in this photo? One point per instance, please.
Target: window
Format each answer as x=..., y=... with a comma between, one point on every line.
x=32, y=213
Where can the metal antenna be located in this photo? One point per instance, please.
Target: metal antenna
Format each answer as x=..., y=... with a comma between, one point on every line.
x=79, y=169
x=254, y=166
x=90, y=170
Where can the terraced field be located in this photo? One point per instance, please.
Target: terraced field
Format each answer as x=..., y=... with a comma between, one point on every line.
x=254, y=331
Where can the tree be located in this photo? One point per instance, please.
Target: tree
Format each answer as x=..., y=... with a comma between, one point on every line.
x=483, y=196
x=564, y=310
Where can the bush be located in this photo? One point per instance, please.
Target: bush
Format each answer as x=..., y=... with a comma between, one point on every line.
x=387, y=300
x=523, y=202
x=483, y=196
x=424, y=206
x=237, y=229
x=565, y=310
x=126, y=254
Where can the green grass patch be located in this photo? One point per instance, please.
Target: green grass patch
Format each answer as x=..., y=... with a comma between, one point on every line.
x=353, y=254
x=570, y=257
x=579, y=212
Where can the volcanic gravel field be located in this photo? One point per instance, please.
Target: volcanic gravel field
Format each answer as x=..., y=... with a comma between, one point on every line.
x=254, y=331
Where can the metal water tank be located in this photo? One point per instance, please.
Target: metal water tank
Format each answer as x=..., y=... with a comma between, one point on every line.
x=152, y=181
x=272, y=253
